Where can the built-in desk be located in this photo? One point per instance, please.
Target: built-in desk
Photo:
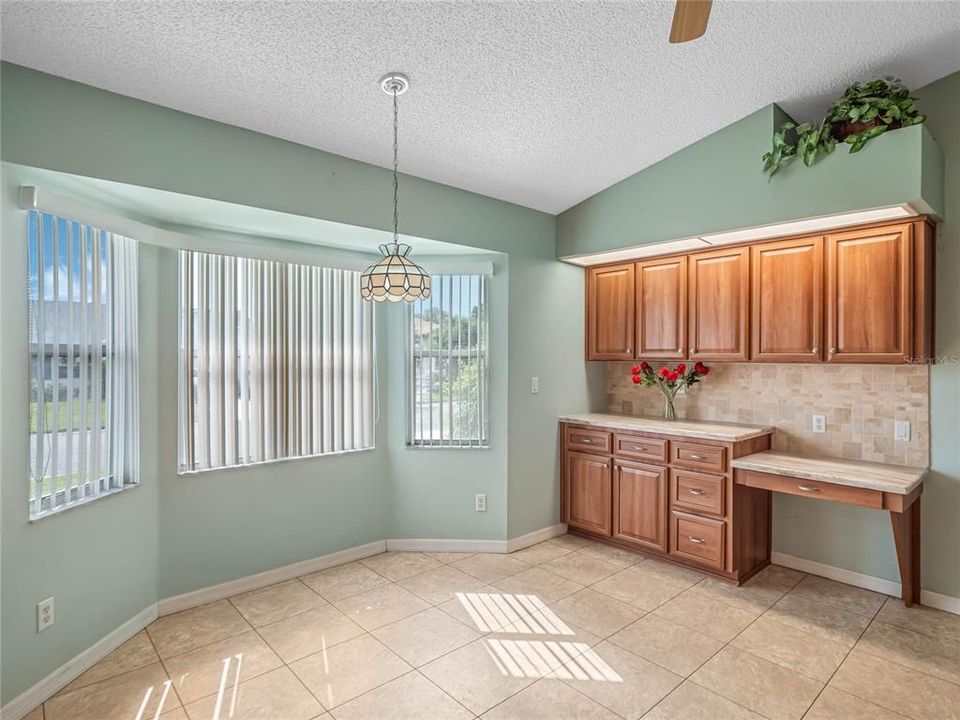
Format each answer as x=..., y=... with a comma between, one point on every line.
x=893, y=488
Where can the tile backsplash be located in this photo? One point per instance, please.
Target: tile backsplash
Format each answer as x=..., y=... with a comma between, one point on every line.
x=860, y=402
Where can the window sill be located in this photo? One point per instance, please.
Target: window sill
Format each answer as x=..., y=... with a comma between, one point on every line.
x=80, y=503
x=262, y=463
x=412, y=446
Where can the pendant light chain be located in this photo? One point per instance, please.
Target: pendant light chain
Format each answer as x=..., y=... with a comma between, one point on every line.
x=395, y=276
x=396, y=164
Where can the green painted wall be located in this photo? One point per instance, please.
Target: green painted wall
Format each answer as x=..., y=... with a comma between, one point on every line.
x=98, y=561
x=212, y=527
x=224, y=524
x=717, y=184
x=941, y=509
x=860, y=540
x=449, y=478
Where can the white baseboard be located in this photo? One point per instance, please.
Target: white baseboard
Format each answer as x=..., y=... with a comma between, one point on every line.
x=476, y=546
x=868, y=582
x=74, y=668
x=537, y=536
x=440, y=545
x=269, y=577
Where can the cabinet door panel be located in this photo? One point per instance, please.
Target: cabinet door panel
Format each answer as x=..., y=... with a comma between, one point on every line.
x=610, y=312
x=662, y=308
x=787, y=308
x=640, y=505
x=869, y=295
x=589, y=498
x=719, y=288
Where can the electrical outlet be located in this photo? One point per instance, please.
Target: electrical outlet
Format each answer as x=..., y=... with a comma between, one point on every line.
x=534, y=385
x=480, y=503
x=901, y=431
x=45, y=614
x=819, y=423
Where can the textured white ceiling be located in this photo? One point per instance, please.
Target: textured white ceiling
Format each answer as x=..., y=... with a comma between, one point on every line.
x=540, y=103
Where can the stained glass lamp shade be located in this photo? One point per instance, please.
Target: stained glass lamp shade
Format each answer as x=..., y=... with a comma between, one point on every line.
x=395, y=277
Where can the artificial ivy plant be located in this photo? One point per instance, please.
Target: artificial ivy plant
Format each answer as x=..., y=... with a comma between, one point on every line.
x=860, y=114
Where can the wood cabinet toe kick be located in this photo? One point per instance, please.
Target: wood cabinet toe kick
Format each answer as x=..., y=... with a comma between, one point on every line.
x=666, y=496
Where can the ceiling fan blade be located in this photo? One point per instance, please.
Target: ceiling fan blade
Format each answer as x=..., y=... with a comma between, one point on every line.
x=690, y=20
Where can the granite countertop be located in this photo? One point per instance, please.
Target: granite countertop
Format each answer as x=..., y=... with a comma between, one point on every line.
x=698, y=429
x=898, y=479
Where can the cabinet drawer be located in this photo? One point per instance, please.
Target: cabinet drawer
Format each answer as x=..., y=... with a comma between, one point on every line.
x=641, y=448
x=584, y=440
x=697, y=492
x=811, y=488
x=699, y=539
x=699, y=457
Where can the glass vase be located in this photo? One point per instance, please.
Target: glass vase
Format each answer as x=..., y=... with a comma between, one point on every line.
x=669, y=410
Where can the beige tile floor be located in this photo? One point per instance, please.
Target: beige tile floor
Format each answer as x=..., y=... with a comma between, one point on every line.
x=565, y=629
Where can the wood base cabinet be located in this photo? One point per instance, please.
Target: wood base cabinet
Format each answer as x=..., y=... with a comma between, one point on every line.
x=588, y=492
x=666, y=496
x=640, y=505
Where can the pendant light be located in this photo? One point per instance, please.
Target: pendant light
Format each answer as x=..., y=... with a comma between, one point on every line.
x=395, y=277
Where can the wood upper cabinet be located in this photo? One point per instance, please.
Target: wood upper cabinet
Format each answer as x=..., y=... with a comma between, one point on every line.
x=662, y=308
x=787, y=300
x=640, y=505
x=610, y=312
x=719, y=292
x=870, y=295
x=863, y=295
x=588, y=502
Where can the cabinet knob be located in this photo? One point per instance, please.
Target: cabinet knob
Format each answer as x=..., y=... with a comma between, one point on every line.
x=693, y=351
x=833, y=351
x=815, y=350
x=679, y=349
x=695, y=540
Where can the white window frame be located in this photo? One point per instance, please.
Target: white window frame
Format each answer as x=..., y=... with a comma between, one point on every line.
x=115, y=324
x=443, y=295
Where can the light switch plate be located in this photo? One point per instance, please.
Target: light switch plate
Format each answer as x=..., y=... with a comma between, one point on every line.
x=535, y=385
x=819, y=423
x=45, y=614
x=901, y=431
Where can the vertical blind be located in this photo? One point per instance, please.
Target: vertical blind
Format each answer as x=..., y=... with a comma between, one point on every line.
x=276, y=361
x=83, y=339
x=448, y=340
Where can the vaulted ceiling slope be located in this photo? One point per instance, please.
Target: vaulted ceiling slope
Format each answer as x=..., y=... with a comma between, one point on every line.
x=538, y=103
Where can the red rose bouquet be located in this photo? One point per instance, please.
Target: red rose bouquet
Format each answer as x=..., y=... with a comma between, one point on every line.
x=669, y=381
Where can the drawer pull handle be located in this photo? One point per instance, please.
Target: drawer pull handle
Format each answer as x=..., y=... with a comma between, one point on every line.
x=641, y=448
x=695, y=540
x=694, y=456
x=808, y=488
x=695, y=491
x=586, y=440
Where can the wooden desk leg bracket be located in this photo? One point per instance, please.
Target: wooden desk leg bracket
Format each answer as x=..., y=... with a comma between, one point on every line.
x=906, y=535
